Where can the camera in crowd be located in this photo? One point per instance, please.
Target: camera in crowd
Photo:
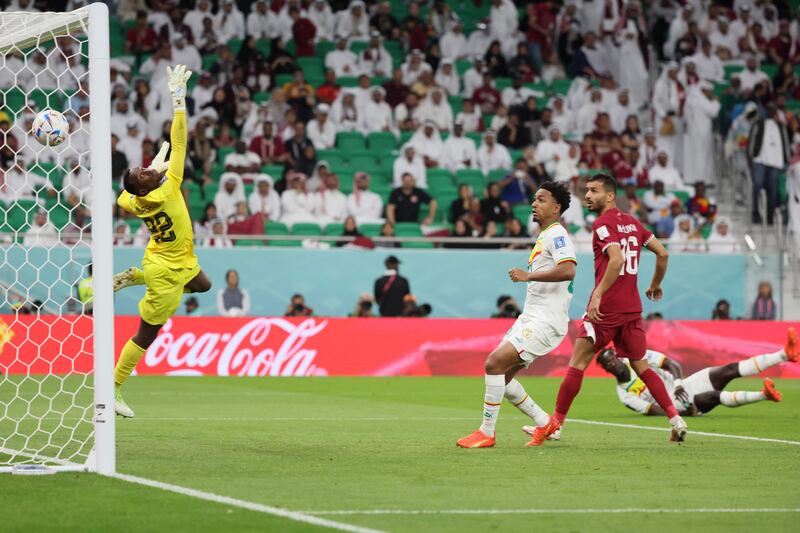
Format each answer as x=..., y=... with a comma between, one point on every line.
x=507, y=307
x=411, y=309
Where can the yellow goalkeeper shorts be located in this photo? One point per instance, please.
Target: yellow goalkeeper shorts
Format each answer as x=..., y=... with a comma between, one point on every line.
x=164, y=291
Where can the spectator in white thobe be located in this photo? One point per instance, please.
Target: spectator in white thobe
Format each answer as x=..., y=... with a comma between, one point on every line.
x=428, y=143
x=447, y=77
x=375, y=60
x=321, y=15
x=229, y=195
x=377, y=114
x=230, y=21
x=363, y=204
x=331, y=203
x=665, y=173
x=184, y=53
x=320, y=130
x=552, y=149
x=342, y=61
x=261, y=22
x=436, y=109
x=409, y=162
x=458, y=151
x=194, y=18
x=264, y=199
x=297, y=204
x=492, y=155
x=453, y=44
x=353, y=22
x=698, y=146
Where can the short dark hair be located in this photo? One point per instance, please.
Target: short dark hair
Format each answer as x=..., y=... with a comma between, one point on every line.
x=559, y=192
x=127, y=182
x=608, y=181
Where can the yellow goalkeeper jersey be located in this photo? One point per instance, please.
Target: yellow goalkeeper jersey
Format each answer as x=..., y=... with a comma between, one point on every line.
x=164, y=209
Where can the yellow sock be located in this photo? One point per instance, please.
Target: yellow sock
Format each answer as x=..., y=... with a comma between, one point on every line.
x=130, y=355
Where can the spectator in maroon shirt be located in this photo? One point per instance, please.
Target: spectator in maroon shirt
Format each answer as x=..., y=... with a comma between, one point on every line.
x=486, y=96
x=268, y=146
x=396, y=91
x=141, y=39
x=329, y=90
x=779, y=49
x=304, y=32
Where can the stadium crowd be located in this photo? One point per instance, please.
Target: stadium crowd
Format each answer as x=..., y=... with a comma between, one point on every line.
x=390, y=118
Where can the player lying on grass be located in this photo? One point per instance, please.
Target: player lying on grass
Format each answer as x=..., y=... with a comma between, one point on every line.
x=543, y=323
x=614, y=312
x=703, y=390
x=169, y=266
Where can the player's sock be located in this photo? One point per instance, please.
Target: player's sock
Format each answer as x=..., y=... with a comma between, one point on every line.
x=495, y=388
x=737, y=398
x=656, y=387
x=130, y=355
x=515, y=393
x=759, y=363
x=569, y=389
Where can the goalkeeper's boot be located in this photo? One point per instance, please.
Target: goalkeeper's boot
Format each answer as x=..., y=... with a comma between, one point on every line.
x=770, y=392
x=542, y=433
x=679, y=429
x=121, y=407
x=128, y=278
x=792, y=346
x=530, y=429
x=476, y=439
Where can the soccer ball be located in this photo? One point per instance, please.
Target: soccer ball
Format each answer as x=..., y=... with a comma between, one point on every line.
x=50, y=128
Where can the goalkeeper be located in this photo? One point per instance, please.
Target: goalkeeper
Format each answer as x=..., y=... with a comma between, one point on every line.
x=169, y=265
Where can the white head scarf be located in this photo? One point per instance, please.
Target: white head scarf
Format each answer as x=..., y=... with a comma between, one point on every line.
x=226, y=203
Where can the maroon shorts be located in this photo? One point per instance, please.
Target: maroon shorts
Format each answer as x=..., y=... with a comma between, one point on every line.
x=628, y=337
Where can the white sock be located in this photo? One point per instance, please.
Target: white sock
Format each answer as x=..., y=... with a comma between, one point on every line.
x=515, y=393
x=759, y=363
x=737, y=398
x=495, y=387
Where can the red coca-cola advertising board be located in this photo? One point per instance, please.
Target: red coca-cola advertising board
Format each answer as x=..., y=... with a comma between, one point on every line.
x=277, y=346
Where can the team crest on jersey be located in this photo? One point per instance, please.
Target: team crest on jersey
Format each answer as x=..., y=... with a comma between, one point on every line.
x=559, y=242
x=602, y=232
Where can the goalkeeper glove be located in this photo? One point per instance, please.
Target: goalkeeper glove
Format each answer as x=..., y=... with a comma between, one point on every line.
x=176, y=81
x=160, y=163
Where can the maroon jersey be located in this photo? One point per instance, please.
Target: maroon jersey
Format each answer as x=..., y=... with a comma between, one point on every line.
x=621, y=302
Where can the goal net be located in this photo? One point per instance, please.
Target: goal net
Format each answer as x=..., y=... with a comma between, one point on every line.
x=56, y=309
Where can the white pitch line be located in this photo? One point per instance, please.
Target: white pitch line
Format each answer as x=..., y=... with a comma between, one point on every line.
x=243, y=504
x=702, y=433
x=352, y=512
x=439, y=419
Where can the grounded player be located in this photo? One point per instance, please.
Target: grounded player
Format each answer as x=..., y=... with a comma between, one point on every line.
x=543, y=323
x=169, y=266
x=614, y=312
x=703, y=390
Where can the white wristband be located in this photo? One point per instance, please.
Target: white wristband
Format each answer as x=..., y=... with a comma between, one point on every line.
x=678, y=383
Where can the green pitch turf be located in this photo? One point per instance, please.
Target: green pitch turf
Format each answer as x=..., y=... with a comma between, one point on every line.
x=355, y=444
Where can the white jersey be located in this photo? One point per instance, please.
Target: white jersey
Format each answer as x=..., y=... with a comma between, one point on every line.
x=633, y=393
x=547, y=300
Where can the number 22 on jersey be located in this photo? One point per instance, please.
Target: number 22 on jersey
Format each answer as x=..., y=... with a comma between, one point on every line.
x=160, y=226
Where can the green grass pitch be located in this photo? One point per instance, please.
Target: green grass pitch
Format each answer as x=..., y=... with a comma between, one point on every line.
x=355, y=444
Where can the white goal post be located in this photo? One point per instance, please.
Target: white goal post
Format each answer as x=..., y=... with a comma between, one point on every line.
x=56, y=359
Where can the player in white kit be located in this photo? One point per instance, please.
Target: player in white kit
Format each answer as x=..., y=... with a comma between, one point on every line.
x=543, y=323
x=702, y=391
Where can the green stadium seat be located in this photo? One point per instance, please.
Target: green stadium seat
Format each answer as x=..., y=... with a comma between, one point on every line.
x=347, y=81
x=346, y=181
x=47, y=99
x=275, y=228
x=222, y=152
x=405, y=137
x=381, y=140
x=264, y=46
x=248, y=242
x=274, y=171
x=456, y=103
x=306, y=228
x=502, y=83
x=261, y=96
x=350, y=140
x=472, y=177
x=418, y=245
x=323, y=47
x=560, y=86
x=475, y=136
x=522, y=212
x=367, y=163
x=497, y=174
x=407, y=229
x=358, y=46
x=283, y=79
x=463, y=65
x=332, y=156
x=310, y=64
x=235, y=45
x=335, y=228
x=370, y=230
x=209, y=60
x=286, y=244
x=732, y=69
x=439, y=178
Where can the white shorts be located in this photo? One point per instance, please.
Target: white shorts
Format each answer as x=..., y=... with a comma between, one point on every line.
x=697, y=383
x=533, y=338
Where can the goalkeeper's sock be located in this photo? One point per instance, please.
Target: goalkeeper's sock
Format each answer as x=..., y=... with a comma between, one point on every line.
x=655, y=385
x=495, y=388
x=737, y=398
x=569, y=389
x=759, y=363
x=128, y=358
x=515, y=393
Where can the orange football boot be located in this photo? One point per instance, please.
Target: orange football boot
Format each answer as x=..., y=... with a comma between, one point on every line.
x=792, y=346
x=771, y=392
x=476, y=439
x=541, y=433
